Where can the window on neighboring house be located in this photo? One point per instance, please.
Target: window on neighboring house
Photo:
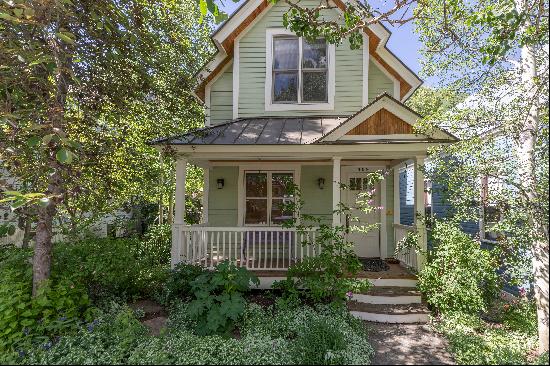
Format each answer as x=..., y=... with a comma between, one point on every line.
x=266, y=194
x=492, y=209
x=299, y=71
x=428, y=198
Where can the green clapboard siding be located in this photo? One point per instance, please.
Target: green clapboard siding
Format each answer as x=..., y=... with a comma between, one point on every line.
x=349, y=70
x=317, y=202
x=221, y=98
x=222, y=203
x=378, y=82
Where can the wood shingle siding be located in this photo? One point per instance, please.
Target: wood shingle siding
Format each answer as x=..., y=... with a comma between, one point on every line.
x=382, y=122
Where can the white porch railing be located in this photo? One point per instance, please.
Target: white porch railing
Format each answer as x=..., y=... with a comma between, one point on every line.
x=258, y=248
x=406, y=256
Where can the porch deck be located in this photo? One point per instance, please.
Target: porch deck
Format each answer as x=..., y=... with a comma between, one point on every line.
x=396, y=271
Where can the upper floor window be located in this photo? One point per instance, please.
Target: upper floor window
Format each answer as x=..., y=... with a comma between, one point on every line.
x=300, y=70
x=300, y=74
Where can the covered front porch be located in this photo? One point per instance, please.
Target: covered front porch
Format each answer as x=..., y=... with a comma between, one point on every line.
x=233, y=229
x=329, y=159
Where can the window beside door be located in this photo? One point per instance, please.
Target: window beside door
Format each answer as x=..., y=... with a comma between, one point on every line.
x=266, y=194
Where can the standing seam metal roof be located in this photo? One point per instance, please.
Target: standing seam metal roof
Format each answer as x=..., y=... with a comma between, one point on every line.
x=260, y=131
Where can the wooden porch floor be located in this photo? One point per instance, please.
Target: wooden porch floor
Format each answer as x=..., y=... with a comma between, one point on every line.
x=396, y=271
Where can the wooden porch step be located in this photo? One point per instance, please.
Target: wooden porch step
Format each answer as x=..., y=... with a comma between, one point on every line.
x=389, y=295
x=393, y=291
x=386, y=313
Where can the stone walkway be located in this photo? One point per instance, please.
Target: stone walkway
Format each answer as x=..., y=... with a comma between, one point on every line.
x=408, y=344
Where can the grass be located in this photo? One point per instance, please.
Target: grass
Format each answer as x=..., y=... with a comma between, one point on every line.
x=506, y=335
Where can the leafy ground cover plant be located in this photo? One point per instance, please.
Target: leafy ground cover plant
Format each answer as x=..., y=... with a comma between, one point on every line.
x=474, y=341
x=279, y=335
x=323, y=334
x=218, y=298
x=57, y=308
x=109, y=339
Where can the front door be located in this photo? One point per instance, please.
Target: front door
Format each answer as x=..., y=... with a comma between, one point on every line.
x=366, y=244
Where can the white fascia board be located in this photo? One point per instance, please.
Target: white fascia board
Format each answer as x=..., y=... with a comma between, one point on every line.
x=211, y=66
x=236, y=20
x=397, y=137
x=398, y=66
x=269, y=151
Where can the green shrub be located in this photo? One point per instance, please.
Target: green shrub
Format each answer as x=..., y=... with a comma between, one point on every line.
x=459, y=275
x=109, y=268
x=178, y=283
x=218, y=298
x=154, y=248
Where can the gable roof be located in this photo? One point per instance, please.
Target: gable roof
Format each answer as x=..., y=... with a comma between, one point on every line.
x=303, y=130
x=382, y=102
x=250, y=11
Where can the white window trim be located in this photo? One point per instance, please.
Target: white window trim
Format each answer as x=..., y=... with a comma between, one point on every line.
x=331, y=82
x=295, y=169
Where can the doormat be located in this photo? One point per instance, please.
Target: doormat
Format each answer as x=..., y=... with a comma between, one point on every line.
x=374, y=265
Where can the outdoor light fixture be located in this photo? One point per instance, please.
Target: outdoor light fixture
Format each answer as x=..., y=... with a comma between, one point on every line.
x=220, y=183
x=321, y=183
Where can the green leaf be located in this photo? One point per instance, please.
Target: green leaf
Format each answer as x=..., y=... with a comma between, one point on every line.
x=8, y=17
x=64, y=156
x=65, y=37
x=33, y=141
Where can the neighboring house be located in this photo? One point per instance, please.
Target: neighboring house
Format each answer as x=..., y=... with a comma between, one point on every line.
x=319, y=114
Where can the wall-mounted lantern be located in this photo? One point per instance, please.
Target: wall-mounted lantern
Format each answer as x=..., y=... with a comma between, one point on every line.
x=220, y=183
x=321, y=183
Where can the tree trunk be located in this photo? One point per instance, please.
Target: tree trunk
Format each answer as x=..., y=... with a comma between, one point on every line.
x=42, y=259
x=27, y=232
x=527, y=139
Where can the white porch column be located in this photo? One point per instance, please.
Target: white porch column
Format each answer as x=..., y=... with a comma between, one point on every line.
x=336, y=196
x=205, y=193
x=396, y=196
x=419, y=210
x=179, y=215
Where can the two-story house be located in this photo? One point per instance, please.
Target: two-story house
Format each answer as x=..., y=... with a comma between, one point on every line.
x=279, y=107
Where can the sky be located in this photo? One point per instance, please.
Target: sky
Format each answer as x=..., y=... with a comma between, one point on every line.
x=403, y=42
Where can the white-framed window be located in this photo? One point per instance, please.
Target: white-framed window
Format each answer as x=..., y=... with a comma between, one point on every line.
x=266, y=193
x=299, y=75
x=491, y=209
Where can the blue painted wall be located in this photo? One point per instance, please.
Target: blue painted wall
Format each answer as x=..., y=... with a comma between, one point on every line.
x=441, y=208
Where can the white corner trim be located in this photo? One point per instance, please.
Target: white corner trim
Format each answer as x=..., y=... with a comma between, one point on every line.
x=383, y=225
x=205, y=194
x=207, y=104
x=396, y=85
x=236, y=82
x=331, y=82
x=365, y=69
